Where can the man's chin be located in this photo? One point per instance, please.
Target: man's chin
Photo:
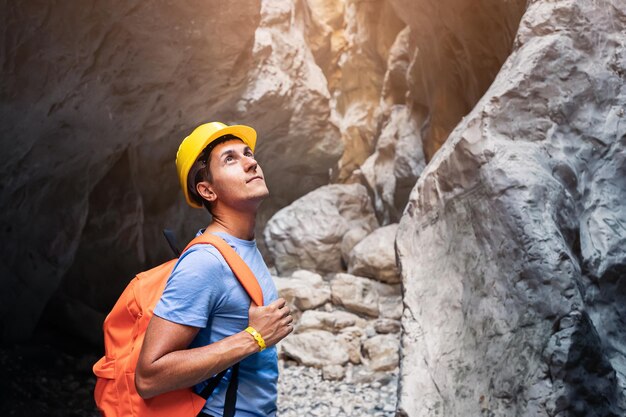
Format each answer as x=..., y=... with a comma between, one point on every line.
x=260, y=195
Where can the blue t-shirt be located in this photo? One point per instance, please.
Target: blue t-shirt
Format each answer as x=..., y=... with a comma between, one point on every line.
x=203, y=292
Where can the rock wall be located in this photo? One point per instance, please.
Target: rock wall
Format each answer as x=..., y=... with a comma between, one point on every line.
x=512, y=247
x=94, y=103
x=457, y=48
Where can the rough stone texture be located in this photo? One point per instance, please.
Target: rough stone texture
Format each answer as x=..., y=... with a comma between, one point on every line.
x=370, y=29
x=375, y=256
x=309, y=233
x=381, y=353
x=392, y=170
x=353, y=337
x=389, y=300
x=385, y=326
x=316, y=348
x=512, y=247
x=333, y=372
x=456, y=48
x=330, y=321
x=285, y=79
x=304, y=290
x=356, y=294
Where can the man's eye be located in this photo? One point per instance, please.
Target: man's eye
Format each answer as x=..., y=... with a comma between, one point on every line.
x=250, y=155
x=228, y=159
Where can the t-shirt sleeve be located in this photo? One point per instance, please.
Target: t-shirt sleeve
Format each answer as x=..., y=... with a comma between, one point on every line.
x=193, y=289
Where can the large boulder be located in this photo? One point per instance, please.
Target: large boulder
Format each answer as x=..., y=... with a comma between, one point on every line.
x=382, y=352
x=330, y=321
x=310, y=233
x=375, y=256
x=356, y=294
x=513, y=245
x=317, y=348
x=304, y=290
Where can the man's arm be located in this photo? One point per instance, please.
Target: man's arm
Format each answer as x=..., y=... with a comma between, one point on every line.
x=165, y=363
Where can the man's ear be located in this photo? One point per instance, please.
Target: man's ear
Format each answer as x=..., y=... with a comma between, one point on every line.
x=205, y=190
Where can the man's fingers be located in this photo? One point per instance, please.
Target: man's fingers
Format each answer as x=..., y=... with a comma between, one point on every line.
x=279, y=303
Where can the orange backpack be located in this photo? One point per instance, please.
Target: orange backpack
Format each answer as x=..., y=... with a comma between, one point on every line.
x=124, y=330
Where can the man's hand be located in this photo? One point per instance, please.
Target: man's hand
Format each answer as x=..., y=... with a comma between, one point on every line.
x=272, y=321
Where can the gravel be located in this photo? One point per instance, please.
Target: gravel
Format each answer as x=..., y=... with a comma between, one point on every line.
x=303, y=392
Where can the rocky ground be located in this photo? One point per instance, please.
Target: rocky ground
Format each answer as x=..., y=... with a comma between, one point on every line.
x=303, y=392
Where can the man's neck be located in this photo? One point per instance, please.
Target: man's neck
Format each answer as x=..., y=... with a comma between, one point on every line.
x=238, y=224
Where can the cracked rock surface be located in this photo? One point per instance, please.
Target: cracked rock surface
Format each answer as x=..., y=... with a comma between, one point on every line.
x=513, y=244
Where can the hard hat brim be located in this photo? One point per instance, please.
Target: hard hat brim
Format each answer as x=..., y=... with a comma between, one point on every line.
x=245, y=133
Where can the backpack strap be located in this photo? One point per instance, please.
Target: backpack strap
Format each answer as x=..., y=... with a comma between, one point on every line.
x=237, y=265
x=230, y=399
x=171, y=240
x=251, y=285
x=231, y=393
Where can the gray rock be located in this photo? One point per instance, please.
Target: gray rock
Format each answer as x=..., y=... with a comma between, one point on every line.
x=356, y=294
x=391, y=171
x=352, y=337
x=382, y=352
x=309, y=233
x=511, y=247
x=330, y=321
x=333, y=372
x=389, y=301
x=385, y=326
x=362, y=374
x=303, y=291
x=316, y=348
x=375, y=256
x=302, y=390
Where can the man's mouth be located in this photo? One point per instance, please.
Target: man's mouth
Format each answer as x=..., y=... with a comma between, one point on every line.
x=258, y=177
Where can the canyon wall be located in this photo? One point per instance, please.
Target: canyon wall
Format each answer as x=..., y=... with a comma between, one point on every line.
x=513, y=244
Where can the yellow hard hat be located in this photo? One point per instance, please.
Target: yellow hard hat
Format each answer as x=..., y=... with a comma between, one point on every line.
x=193, y=145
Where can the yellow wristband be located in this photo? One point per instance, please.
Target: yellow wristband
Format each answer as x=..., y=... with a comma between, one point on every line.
x=257, y=337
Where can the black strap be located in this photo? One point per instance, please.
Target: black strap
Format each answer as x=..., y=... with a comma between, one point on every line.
x=212, y=384
x=171, y=240
x=231, y=392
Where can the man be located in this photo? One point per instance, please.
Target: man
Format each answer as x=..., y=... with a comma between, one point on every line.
x=198, y=326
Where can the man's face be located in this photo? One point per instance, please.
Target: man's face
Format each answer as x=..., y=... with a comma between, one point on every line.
x=237, y=178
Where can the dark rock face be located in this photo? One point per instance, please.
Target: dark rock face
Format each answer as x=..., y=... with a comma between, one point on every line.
x=457, y=48
x=94, y=101
x=90, y=137
x=513, y=245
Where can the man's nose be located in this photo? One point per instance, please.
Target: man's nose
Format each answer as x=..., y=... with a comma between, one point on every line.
x=249, y=163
